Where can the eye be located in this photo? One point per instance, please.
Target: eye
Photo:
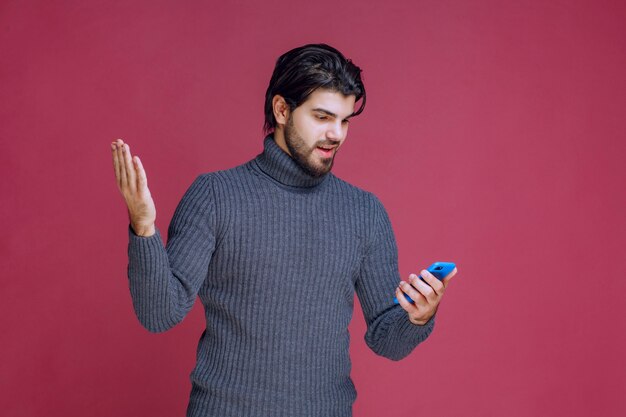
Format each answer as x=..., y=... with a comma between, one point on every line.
x=322, y=117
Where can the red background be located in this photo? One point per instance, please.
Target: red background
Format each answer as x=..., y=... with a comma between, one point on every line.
x=493, y=134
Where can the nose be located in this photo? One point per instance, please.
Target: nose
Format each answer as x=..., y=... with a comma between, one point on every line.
x=335, y=132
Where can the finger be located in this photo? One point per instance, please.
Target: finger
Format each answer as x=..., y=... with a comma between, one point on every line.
x=448, y=277
x=130, y=169
x=122, y=164
x=404, y=303
x=142, y=179
x=432, y=281
x=415, y=295
x=116, y=164
x=426, y=290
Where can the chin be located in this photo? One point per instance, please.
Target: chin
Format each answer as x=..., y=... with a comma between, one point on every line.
x=318, y=171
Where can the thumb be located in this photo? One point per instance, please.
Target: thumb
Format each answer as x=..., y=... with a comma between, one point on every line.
x=448, y=277
x=142, y=180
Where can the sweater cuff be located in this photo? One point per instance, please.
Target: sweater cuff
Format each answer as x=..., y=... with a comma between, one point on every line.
x=138, y=245
x=409, y=331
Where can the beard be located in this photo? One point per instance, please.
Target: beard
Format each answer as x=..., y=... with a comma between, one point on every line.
x=303, y=155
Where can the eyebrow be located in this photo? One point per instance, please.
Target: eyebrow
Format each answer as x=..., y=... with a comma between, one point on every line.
x=329, y=113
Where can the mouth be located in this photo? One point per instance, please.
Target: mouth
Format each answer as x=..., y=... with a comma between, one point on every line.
x=326, y=151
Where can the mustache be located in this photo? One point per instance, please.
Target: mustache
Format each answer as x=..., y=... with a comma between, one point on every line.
x=327, y=143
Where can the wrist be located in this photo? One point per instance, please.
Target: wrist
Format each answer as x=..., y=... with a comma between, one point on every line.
x=143, y=230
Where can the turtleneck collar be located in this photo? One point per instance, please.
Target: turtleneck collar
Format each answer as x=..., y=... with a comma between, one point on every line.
x=281, y=167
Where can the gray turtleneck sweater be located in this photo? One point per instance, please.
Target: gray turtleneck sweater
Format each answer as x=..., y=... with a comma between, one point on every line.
x=275, y=256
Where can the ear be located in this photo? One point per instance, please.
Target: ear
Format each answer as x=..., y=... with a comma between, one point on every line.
x=281, y=109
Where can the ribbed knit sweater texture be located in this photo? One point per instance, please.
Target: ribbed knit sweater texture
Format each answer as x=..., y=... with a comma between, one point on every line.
x=275, y=256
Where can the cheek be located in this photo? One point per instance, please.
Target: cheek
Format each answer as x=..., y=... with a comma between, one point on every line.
x=312, y=131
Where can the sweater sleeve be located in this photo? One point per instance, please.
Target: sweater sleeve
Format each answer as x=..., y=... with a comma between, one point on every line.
x=164, y=281
x=389, y=330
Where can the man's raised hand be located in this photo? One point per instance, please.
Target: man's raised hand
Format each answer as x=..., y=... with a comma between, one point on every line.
x=133, y=184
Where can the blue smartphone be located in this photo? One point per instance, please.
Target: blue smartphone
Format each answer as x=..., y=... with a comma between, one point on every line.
x=439, y=269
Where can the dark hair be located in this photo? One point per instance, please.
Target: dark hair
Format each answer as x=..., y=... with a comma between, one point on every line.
x=301, y=71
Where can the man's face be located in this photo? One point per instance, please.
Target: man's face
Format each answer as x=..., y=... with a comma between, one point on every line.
x=316, y=129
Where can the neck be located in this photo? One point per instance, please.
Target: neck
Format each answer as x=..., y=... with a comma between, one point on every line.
x=279, y=138
x=276, y=163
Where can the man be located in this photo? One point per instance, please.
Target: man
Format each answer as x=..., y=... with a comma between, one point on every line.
x=275, y=249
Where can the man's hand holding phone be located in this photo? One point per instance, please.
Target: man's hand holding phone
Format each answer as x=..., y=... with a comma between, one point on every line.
x=425, y=294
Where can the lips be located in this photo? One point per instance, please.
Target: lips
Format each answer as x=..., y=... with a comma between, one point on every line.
x=326, y=151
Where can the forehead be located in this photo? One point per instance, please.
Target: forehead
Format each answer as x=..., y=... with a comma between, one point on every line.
x=331, y=101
